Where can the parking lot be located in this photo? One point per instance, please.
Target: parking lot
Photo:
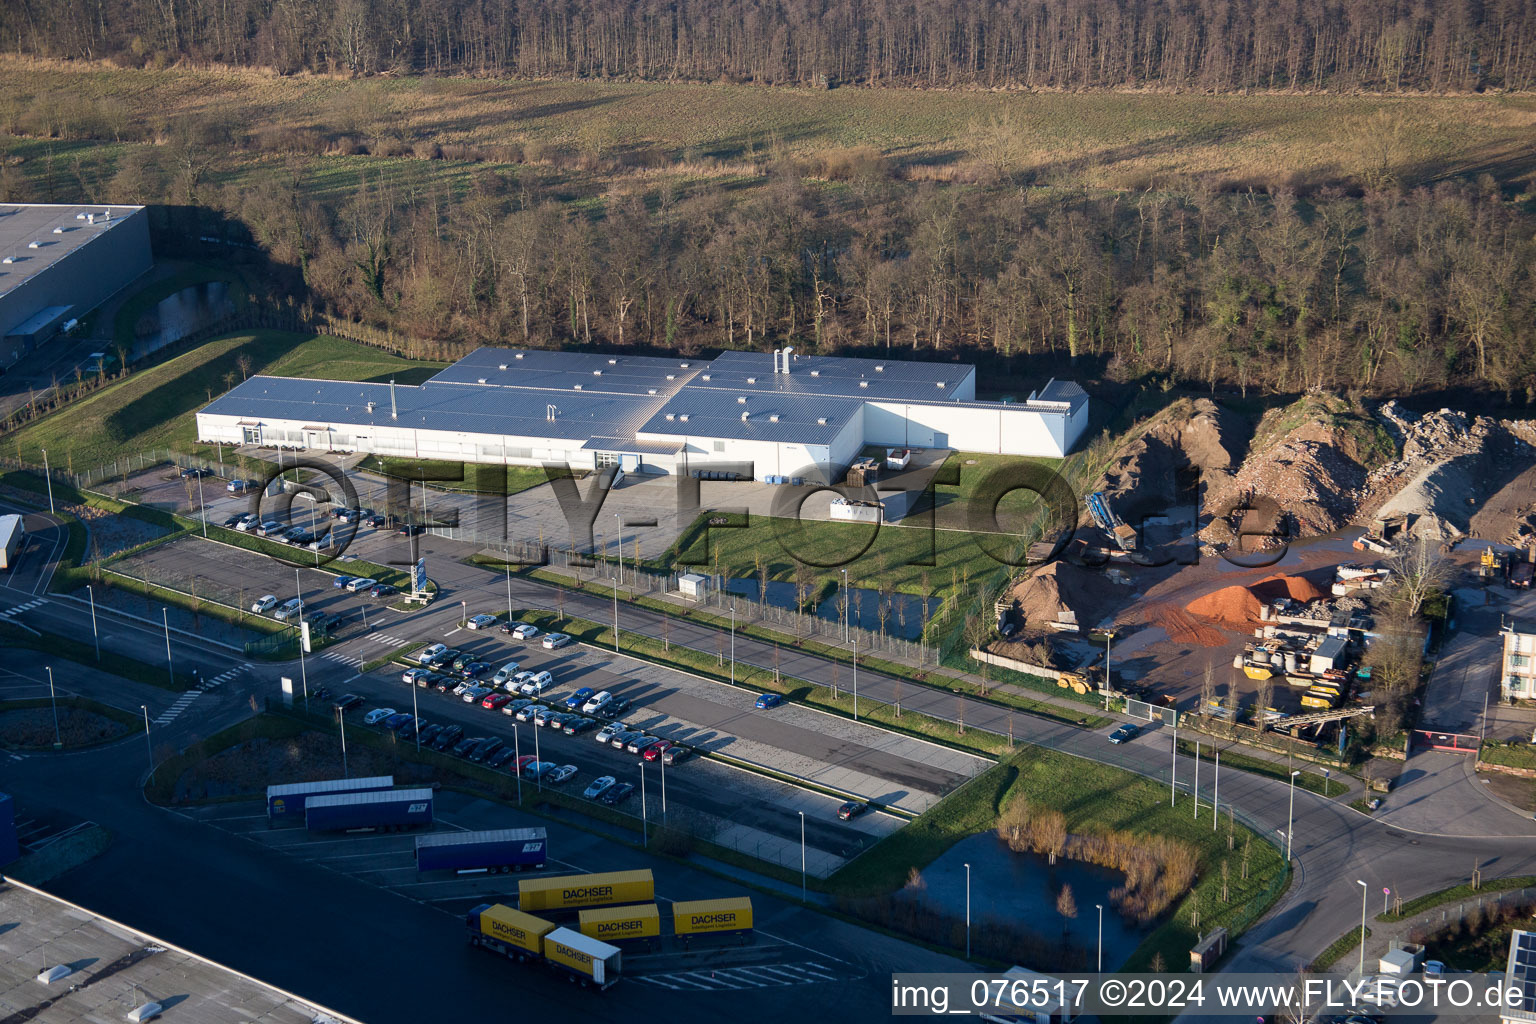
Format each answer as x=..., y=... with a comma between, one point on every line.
x=387, y=860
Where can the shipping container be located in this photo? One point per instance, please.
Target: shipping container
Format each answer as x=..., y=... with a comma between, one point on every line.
x=572, y=892
x=509, y=932
x=287, y=800
x=502, y=849
x=389, y=809
x=611, y=924
x=592, y=962
x=698, y=917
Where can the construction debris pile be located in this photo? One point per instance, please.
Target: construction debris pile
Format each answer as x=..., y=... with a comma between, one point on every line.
x=1061, y=597
x=1238, y=607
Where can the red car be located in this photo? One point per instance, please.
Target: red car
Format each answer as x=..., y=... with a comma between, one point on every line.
x=522, y=763
x=495, y=701
x=655, y=750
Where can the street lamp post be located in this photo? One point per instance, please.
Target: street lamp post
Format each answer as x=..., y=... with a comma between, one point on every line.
x=509, y=591
x=733, y=641
x=845, y=605
x=538, y=780
x=620, y=517
x=303, y=666
x=1173, y=775
x=645, y=819
x=662, y=760
x=1364, y=891
x=853, y=647
x=967, y=911
x=615, y=583
x=202, y=508
x=802, y=856
x=148, y=747
x=1101, y=936
x=48, y=476
x=1216, y=791
x=517, y=767
x=1195, y=788
x=58, y=741
x=95, y=636
x=1290, y=815
x=341, y=717
x=416, y=714
x=166, y=620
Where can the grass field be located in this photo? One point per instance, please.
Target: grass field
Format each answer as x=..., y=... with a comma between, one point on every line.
x=730, y=133
x=155, y=408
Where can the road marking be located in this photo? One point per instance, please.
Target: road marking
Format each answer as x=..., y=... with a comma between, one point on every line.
x=222, y=678
x=169, y=714
x=387, y=640
x=16, y=757
x=18, y=609
x=342, y=659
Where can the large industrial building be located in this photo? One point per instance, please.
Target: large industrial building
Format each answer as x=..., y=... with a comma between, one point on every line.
x=785, y=414
x=57, y=263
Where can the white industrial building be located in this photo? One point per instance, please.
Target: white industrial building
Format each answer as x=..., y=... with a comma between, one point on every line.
x=784, y=414
x=57, y=263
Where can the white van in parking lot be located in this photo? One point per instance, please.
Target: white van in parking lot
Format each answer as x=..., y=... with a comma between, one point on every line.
x=287, y=609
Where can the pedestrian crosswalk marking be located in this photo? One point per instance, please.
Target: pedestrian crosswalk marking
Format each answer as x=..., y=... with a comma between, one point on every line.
x=222, y=678
x=344, y=659
x=760, y=976
x=387, y=640
x=18, y=609
x=169, y=714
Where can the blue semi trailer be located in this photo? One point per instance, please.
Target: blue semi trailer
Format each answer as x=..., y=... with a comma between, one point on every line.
x=502, y=849
x=287, y=801
x=387, y=810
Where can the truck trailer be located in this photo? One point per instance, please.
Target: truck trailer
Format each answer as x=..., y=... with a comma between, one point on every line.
x=614, y=924
x=573, y=892
x=288, y=800
x=12, y=531
x=520, y=936
x=701, y=917
x=502, y=849
x=386, y=809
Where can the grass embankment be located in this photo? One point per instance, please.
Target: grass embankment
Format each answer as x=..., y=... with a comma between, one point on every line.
x=842, y=656
x=1338, y=949
x=1310, y=779
x=1094, y=798
x=1458, y=894
x=82, y=722
x=1510, y=755
x=155, y=408
x=731, y=133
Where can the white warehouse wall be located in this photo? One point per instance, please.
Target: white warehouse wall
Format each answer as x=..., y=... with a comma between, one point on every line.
x=1003, y=429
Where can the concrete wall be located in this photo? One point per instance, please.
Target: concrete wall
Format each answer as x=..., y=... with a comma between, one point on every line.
x=1001, y=429
x=86, y=277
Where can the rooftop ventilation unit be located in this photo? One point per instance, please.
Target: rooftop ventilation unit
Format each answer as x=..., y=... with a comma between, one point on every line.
x=518, y=356
x=788, y=353
x=670, y=417
x=9, y=259
x=650, y=391
x=815, y=373
x=941, y=383
x=480, y=380
x=501, y=366
x=706, y=377
x=613, y=362
x=34, y=245
x=744, y=417
x=53, y=974
x=58, y=231
x=671, y=376
x=370, y=408
x=394, y=411
x=149, y=1011
x=741, y=399
x=79, y=216
x=597, y=373
x=751, y=380
x=683, y=416
x=577, y=387
x=685, y=365
x=879, y=367
x=821, y=421
x=773, y=417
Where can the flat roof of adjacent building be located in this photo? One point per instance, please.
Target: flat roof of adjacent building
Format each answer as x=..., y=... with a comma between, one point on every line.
x=22, y=224
x=119, y=969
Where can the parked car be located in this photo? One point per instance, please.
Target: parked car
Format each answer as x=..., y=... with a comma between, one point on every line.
x=448, y=737
x=320, y=620
x=396, y=720
x=292, y=534
x=515, y=684
x=459, y=685
x=409, y=529
x=474, y=694
x=340, y=582
x=523, y=762
x=475, y=669
x=618, y=794
x=596, y=703
x=232, y=521
x=346, y=702
x=378, y=715
x=445, y=683
x=462, y=659
x=560, y=774
x=506, y=672
x=769, y=700
x=239, y=486
x=520, y=630
x=192, y=472
x=577, y=699
x=543, y=715
x=527, y=711
x=426, y=654
x=265, y=603
x=1124, y=733
x=361, y=583
x=384, y=590
x=501, y=757
x=269, y=528
x=410, y=675
x=672, y=755
x=514, y=705
x=540, y=682
x=617, y=706
x=622, y=738
x=443, y=657
x=539, y=769
x=431, y=679
x=555, y=641
x=480, y=622
x=640, y=744
x=464, y=746
x=288, y=609
x=247, y=522
x=406, y=727
x=598, y=786
x=577, y=726
x=429, y=734
x=655, y=750
x=375, y=521
x=495, y=701
x=486, y=749
x=609, y=731
x=852, y=809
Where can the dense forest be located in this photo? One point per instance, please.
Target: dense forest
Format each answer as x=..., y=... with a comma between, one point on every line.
x=1220, y=45
x=1394, y=292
